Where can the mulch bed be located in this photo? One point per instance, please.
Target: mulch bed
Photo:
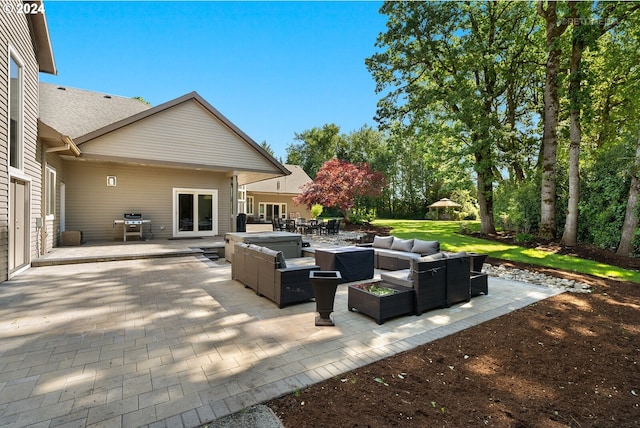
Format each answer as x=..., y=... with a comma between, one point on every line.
x=571, y=360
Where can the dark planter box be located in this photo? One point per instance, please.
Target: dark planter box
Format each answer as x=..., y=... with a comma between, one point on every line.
x=324, y=285
x=381, y=308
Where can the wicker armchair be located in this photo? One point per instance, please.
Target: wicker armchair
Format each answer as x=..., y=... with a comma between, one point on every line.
x=458, y=278
x=266, y=272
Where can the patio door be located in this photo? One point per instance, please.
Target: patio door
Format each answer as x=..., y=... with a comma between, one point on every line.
x=195, y=212
x=18, y=224
x=268, y=211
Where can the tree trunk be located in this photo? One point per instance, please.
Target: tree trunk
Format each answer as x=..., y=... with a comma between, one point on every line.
x=630, y=217
x=485, y=195
x=551, y=109
x=570, y=234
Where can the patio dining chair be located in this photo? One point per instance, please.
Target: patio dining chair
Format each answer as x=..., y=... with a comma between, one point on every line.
x=332, y=227
x=291, y=225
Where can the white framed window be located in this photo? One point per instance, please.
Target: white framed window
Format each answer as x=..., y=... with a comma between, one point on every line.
x=242, y=199
x=50, y=192
x=15, y=110
x=249, y=205
x=269, y=210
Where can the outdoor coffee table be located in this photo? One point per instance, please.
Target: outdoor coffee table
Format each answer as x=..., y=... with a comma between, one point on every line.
x=354, y=263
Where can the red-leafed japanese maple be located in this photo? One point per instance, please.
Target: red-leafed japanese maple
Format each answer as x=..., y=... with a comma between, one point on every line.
x=342, y=184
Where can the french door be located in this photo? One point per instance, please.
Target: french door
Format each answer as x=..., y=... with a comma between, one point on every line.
x=268, y=211
x=195, y=212
x=19, y=224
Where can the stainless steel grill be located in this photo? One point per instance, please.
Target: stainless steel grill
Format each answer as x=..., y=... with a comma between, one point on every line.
x=132, y=225
x=133, y=219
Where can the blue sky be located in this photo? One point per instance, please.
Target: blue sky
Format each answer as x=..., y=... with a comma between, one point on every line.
x=272, y=68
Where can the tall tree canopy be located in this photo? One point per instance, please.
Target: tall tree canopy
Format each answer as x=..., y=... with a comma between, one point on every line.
x=455, y=64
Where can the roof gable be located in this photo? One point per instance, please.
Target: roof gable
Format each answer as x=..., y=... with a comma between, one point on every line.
x=186, y=132
x=289, y=184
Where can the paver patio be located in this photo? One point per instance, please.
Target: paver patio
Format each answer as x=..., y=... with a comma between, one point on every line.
x=175, y=342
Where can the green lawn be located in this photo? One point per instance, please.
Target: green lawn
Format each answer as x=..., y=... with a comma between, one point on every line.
x=447, y=232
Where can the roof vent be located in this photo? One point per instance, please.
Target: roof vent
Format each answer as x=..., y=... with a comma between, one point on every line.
x=62, y=88
x=107, y=96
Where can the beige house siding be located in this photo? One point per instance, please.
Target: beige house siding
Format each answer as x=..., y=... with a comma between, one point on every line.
x=92, y=206
x=53, y=227
x=15, y=33
x=162, y=138
x=279, y=199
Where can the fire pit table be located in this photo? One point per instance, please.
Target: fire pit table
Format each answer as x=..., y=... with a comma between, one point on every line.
x=354, y=263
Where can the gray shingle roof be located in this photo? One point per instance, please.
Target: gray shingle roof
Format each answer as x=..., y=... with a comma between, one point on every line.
x=76, y=112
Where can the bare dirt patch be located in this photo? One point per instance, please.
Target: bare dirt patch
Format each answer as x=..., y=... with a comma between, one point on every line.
x=571, y=360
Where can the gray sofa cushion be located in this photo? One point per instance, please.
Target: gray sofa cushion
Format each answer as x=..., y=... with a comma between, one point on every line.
x=402, y=244
x=425, y=248
x=398, y=277
x=430, y=258
x=382, y=241
x=456, y=255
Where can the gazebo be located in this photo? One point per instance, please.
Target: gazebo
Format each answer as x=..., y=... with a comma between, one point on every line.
x=445, y=203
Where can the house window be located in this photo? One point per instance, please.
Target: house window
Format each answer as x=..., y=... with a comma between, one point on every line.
x=268, y=211
x=51, y=192
x=242, y=201
x=15, y=112
x=250, y=205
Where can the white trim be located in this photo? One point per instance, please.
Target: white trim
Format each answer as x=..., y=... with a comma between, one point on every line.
x=214, y=210
x=47, y=201
x=17, y=58
x=250, y=204
x=282, y=205
x=63, y=201
x=27, y=264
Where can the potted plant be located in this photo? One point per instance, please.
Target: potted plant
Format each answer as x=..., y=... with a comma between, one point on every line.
x=380, y=300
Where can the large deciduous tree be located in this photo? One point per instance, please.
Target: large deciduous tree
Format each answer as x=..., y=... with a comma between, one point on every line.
x=452, y=63
x=343, y=185
x=590, y=21
x=554, y=27
x=316, y=146
x=630, y=225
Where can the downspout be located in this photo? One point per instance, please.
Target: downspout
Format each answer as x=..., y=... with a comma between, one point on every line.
x=43, y=205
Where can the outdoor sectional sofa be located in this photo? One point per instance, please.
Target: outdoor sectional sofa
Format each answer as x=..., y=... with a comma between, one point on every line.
x=393, y=253
x=438, y=280
x=268, y=273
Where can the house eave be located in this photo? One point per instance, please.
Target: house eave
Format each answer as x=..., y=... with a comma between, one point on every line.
x=244, y=177
x=55, y=142
x=42, y=41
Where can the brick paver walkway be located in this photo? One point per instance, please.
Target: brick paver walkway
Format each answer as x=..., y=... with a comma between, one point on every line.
x=174, y=342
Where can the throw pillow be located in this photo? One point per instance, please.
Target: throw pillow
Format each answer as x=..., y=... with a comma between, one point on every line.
x=382, y=241
x=402, y=244
x=425, y=248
